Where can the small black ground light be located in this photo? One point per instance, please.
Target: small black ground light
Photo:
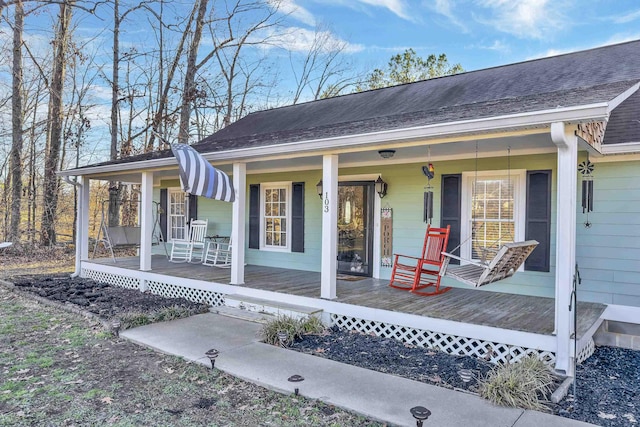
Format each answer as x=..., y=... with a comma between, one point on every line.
x=212, y=355
x=420, y=413
x=296, y=379
x=283, y=337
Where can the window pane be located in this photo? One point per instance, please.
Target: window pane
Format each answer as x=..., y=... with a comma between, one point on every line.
x=275, y=216
x=492, y=214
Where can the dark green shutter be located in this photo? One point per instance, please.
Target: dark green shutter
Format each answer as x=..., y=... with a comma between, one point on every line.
x=297, y=217
x=254, y=216
x=193, y=207
x=538, y=222
x=451, y=210
x=163, y=213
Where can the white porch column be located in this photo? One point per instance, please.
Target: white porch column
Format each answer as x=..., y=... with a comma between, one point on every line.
x=82, y=224
x=146, y=220
x=329, y=226
x=238, y=223
x=567, y=144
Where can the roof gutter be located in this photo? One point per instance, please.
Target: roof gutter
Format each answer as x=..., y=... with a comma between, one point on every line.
x=581, y=113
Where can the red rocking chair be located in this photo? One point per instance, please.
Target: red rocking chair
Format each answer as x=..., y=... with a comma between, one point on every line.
x=417, y=273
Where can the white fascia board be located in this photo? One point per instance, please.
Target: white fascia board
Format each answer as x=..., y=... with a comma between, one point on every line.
x=623, y=96
x=624, y=148
x=580, y=113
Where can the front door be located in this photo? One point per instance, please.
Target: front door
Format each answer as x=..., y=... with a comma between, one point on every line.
x=355, y=228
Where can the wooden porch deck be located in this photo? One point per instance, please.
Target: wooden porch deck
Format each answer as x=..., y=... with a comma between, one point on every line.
x=480, y=307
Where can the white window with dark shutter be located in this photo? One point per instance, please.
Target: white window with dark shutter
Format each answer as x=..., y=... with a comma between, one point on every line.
x=275, y=216
x=493, y=210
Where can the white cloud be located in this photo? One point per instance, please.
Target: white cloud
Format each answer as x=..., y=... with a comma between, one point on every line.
x=398, y=7
x=615, y=39
x=296, y=39
x=498, y=46
x=627, y=17
x=527, y=19
x=443, y=7
x=296, y=11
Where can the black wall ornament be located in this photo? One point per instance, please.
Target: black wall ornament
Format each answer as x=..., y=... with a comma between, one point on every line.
x=429, y=172
x=586, y=169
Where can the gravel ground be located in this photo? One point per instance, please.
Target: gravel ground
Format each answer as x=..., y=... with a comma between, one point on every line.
x=608, y=383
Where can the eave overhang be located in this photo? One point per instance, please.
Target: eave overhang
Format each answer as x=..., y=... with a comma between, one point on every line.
x=513, y=122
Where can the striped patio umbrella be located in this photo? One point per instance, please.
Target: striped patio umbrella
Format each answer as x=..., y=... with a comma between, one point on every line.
x=199, y=178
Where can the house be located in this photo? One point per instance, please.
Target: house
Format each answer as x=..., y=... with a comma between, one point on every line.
x=506, y=143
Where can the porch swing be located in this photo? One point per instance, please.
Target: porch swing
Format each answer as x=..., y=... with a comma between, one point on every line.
x=505, y=261
x=125, y=236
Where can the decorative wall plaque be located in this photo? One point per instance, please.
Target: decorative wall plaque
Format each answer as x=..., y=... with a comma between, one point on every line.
x=386, y=237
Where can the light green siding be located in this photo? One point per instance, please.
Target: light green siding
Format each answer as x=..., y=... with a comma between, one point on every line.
x=608, y=253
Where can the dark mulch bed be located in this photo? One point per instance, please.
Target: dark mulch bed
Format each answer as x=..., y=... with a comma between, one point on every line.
x=101, y=299
x=608, y=383
x=607, y=389
x=391, y=356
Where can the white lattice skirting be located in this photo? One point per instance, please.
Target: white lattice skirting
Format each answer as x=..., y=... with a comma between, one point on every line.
x=169, y=290
x=176, y=291
x=119, y=280
x=462, y=346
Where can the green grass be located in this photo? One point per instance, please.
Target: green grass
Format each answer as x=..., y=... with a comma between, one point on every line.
x=63, y=370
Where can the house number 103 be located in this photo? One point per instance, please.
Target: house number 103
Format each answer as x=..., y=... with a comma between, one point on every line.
x=326, y=202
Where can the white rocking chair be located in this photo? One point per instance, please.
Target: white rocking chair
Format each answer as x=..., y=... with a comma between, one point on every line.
x=218, y=254
x=505, y=263
x=183, y=250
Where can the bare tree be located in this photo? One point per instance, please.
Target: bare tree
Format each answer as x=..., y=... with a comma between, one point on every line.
x=242, y=36
x=188, y=91
x=54, y=140
x=15, y=165
x=324, y=71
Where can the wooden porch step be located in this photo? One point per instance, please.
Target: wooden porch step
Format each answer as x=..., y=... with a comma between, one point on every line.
x=273, y=308
x=237, y=313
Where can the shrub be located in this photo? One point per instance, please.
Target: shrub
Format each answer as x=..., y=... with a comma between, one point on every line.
x=295, y=328
x=522, y=385
x=134, y=319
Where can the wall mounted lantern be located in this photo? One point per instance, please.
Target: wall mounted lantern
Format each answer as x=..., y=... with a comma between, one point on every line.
x=381, y=187
x=319, y=188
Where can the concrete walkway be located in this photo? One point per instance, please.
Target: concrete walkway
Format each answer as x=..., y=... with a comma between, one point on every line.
x=379, y=396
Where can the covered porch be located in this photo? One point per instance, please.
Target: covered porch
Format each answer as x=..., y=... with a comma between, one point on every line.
x=494, y=325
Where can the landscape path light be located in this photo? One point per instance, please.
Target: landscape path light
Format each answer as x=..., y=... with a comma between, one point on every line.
x=212, y=355
x=283, y=337
x=466, y=375
x=115, y=327
x=420, y=413
x=295, y=379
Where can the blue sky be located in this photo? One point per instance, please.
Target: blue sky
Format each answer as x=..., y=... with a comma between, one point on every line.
x=475, y=33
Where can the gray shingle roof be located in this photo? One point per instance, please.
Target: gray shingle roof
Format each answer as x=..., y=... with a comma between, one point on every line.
x=542, y=83
x=624, y=122
x=580, y=78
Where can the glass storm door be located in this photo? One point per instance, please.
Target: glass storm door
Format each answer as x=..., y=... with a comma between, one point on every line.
x=355, y=228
